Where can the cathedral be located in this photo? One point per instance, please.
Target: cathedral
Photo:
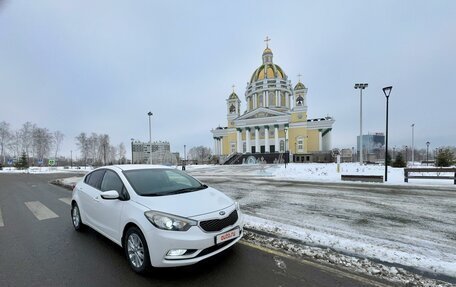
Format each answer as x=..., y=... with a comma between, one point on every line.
x=274, y=127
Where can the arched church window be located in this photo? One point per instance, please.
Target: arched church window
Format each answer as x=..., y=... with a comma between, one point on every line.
x=282, y=146
x=299, y=101
x=271, y=99
x=260, y=100
x=244, y=147
x=232, y=109
x=250, y=104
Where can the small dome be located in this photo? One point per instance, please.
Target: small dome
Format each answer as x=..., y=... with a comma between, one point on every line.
x=233, y=96
x=267, y=51
x=299, y=86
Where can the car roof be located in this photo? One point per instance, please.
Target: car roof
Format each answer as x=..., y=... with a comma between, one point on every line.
x=137, y=166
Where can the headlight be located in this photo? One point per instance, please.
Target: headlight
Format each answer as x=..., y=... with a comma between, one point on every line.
x=169, y=222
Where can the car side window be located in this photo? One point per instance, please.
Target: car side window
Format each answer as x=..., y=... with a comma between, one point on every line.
x=95, y=178
x=111, y=181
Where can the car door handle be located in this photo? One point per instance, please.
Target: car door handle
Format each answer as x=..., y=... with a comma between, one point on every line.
x=96, y=198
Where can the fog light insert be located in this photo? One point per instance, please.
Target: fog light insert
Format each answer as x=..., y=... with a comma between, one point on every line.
x=176, y=252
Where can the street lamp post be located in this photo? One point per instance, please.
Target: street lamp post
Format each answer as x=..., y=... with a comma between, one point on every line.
x=150, y=138
x=413, y=144
x=427, y=153
x=361, y=87
x=71, y=158
x=185, y=158
x=387, y=92
x=286, y=139
x=406, y=155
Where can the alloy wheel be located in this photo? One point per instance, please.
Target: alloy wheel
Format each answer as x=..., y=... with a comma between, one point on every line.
x=135, y=249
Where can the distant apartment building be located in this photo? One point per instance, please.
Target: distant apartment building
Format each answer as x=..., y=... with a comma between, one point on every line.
x=141, y=152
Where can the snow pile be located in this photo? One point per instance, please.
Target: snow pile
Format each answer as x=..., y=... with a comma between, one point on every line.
x=327, y=172
x=329, y=257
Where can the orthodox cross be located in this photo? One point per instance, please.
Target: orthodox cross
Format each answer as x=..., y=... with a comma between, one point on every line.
x=299, y=77
x=233, y=86
x=267, y=40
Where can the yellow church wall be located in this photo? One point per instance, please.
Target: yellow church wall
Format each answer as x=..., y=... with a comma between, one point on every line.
x=293, y=134
x=313, y=142
x=295, y=117
x=231, y=137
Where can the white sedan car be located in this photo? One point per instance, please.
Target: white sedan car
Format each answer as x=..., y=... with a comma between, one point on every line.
x=161, y=216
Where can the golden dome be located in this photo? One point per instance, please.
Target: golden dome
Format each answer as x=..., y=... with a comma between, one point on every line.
x=233, y=96
x=299, y=86
x=269, y=71
x=267, y=51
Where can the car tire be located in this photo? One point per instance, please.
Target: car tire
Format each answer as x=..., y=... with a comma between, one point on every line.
x=136, y=250
x=76, y=217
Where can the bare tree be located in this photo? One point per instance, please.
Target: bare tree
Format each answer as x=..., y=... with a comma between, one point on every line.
x=58, y=139
x=26, y=134
x=200, y=153
x=5, y=138
x=82, y=141
x=112, y=154
x=42, y=142
x=122, y=153
x=104, y=147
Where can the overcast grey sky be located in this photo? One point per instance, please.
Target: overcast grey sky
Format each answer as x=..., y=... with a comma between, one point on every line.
x=100, y=66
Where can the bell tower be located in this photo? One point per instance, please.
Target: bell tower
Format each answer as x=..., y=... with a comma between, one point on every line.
x=233, y=106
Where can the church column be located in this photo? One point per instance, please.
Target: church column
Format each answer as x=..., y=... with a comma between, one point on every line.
x=266, y=95
x=257, y=139
x=327, y=140
x=276, y=138
x=320, y=139
x=247, y=141
x=239, y=140
x=221, y=145
x=215, y=146
x=277, y=98
x=287, y=100
x=255, y=99
x=266, y=138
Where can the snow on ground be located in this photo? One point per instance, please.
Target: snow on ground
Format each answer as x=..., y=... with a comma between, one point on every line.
x=410, y=224
x=328, y=173
x=46, y=169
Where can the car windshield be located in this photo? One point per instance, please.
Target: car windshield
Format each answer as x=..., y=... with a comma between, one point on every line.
x=159, y=182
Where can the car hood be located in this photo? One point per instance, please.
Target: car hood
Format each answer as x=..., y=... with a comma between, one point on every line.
x=188, y=204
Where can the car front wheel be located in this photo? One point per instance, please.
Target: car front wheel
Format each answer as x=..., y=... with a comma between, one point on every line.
x=136, y=250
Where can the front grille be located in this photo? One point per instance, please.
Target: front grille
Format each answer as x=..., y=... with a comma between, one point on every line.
x=218, y=224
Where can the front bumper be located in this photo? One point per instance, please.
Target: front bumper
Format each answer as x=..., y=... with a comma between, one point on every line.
x=198, y=243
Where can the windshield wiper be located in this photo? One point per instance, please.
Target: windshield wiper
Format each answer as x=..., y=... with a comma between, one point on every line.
x=187, y=189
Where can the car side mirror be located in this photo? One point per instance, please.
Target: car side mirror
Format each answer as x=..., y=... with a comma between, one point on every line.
x=110, y=194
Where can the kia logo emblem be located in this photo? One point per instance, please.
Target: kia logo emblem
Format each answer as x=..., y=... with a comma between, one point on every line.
x=222, y=213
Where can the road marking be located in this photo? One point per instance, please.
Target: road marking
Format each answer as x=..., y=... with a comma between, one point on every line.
x=323, y=267
x=40, y=211
x=67, y=200
x=1, y=219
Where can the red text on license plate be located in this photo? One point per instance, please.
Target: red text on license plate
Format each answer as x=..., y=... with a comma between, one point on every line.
x=227, y=235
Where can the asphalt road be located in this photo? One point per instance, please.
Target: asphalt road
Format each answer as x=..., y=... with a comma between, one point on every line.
x=38, y=247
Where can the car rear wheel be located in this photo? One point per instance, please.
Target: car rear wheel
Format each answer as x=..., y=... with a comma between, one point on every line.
x=76, y=217
x=136, y=250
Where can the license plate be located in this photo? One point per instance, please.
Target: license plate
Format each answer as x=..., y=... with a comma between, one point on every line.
x=227, y=236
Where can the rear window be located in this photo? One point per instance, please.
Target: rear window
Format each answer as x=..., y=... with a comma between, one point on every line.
x=158, y=182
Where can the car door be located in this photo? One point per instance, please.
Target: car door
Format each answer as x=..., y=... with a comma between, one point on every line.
x=89, y=191
x=110, y=210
